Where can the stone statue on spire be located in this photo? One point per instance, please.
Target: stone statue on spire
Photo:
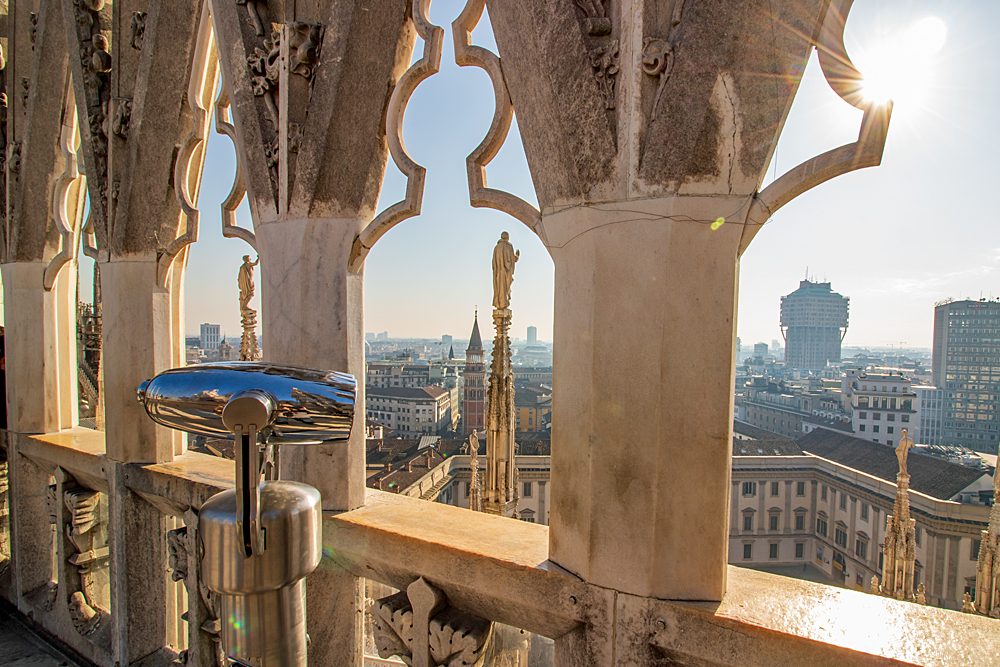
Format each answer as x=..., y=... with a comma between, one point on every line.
x=899, y=549
x=248, y=347
x=902, y=452
x=504, y=258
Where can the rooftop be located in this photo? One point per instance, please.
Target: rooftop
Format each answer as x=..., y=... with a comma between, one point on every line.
x=931, y=476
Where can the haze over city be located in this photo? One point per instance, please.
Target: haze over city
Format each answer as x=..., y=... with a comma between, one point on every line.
x=894, y=239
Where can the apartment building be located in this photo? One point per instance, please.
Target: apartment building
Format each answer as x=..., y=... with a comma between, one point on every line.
x=966, y=365
x=411, y=411
x=881, y=406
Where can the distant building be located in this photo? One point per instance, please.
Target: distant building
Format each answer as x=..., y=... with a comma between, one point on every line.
x=447, y=340
x=813, y=324
x=409, y=412
x=474, y=396
x=533, y=375
x=966, y=365
x=209, y=338
x=532, y=407
x=760, y=350
x=382, y=336
x=882, y=405
x=532, y=335
x=931, y=402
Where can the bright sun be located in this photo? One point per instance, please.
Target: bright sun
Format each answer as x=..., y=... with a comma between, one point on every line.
x=897, y=68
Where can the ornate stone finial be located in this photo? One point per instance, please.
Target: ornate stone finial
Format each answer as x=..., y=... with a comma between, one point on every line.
x=921, y=593
x=874, y=586
x=248, y=347
x=902, y=451
x=968, y=606
x=504, y=258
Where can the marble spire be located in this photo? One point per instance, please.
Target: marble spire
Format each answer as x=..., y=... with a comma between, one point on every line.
x=500, y=495
x=900, y=534
x=987, y=600
x=475, y=486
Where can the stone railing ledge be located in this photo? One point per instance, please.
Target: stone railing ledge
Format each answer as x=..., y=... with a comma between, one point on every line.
x=78, y=450
x=499, y=569
x=184, y=483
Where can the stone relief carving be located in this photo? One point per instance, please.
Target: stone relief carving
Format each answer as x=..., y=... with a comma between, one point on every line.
x=91, y=47
x=33, y=17
x=264, y=65
x=100, y=59
x=25, y=83
x=303, y=47
x=123, y=114
x=658, y=55
x=138, y=29
x=178, y=562
x=603, y=50
x=91, y=550
x=14, y=157
x=294, y=137
x=604, y=60
x=596, y=19
x=177, y=556
x=254, y=13
x=420, y=627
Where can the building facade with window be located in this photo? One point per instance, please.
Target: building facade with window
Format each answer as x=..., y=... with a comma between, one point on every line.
x=931, y=414
x=408, y=411
x=882, y=405
x=209, y=336
x=813, y=323
x=821, y=513
x=966, y=365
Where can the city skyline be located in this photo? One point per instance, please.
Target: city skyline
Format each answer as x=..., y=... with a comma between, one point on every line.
x=884, y=237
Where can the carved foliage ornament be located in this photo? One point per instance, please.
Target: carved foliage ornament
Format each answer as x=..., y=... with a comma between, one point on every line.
x=658, y=55
x=123, y=114
x=603, y=50
x=453, y=638
x=138, y=29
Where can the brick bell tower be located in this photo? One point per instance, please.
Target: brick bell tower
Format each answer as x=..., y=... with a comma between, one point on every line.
x=474, y=410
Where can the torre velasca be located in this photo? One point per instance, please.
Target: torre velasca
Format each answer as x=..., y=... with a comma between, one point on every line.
x=813, y=324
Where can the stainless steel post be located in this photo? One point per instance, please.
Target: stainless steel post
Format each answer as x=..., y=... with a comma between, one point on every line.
x=258, y=542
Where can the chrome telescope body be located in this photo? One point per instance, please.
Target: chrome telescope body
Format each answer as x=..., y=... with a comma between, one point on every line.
x=259, y=540
x=311, y=406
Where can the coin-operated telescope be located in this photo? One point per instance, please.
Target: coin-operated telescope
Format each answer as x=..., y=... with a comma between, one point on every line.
x=257, y=542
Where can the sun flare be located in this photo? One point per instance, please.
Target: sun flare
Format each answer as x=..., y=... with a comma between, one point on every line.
x=897, y=67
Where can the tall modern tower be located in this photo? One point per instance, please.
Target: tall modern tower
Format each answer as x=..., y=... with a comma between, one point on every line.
x=532, y=335
x=966, y=365
x=474, y=376
x=813, y=324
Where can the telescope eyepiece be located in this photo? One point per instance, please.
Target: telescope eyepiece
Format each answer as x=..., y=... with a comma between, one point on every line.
x=251, y=407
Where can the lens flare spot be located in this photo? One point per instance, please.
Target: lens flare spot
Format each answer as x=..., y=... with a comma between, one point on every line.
x=718, y=223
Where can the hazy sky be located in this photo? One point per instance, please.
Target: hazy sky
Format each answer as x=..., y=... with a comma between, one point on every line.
x=895, y=238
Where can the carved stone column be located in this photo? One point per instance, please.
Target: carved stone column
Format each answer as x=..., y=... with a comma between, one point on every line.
x=43, y=208
x=307, y=84
x=647, y=126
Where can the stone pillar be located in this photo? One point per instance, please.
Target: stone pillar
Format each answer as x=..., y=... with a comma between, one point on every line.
x=139, y=342
x=635, y=284
x=40, y=344
x=313, y=315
